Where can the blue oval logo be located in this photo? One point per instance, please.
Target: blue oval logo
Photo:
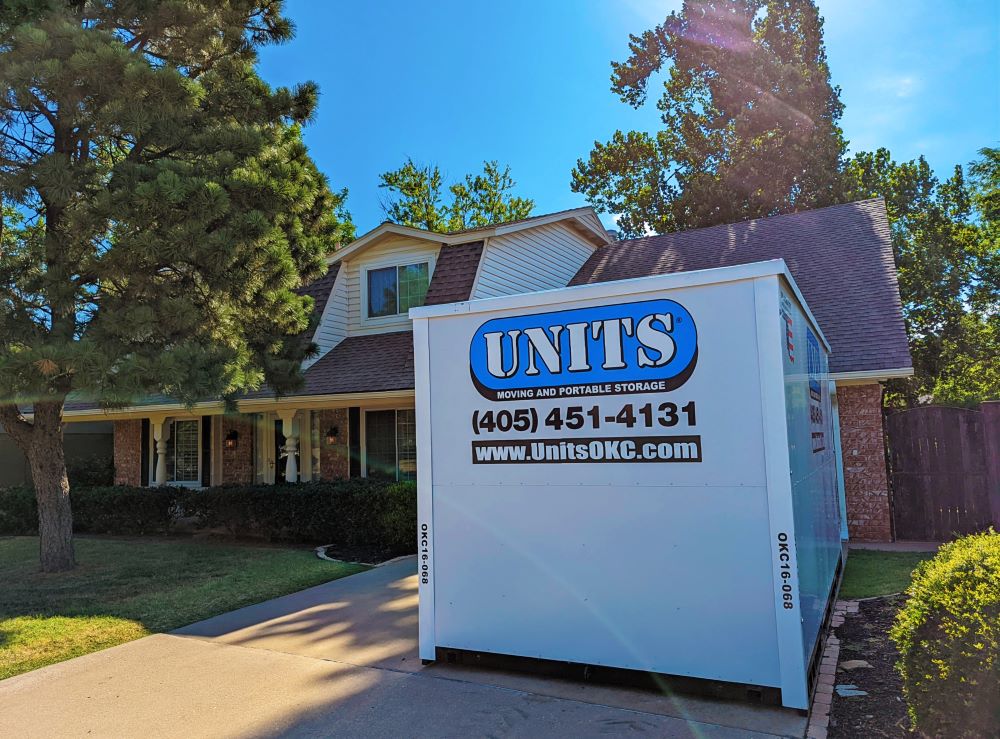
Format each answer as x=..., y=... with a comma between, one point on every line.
x=648, y=346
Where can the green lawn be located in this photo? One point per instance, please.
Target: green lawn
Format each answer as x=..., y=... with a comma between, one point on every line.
x=123, y=589
x=870, y=573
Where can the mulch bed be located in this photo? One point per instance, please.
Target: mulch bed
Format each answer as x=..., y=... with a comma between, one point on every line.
x=367, y=554
x=882, y=712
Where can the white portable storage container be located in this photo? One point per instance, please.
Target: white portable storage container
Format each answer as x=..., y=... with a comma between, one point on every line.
x=637, y=474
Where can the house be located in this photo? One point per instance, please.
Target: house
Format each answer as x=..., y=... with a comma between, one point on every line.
x=88, y=448
x=354, y=415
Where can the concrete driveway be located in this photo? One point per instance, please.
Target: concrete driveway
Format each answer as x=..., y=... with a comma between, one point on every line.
x=340, y=660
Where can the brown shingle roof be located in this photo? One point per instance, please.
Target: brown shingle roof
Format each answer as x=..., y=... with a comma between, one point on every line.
x=841, y=259
x=363, y=364
x=319, y=290
x=454, y=273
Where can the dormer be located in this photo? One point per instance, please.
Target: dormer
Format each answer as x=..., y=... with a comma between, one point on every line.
x=376, y=279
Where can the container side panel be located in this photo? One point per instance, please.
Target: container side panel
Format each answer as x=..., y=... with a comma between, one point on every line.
x=425, y=498
x=813, y=464
x=781, y=512
x=550, y=541
x=641, y=578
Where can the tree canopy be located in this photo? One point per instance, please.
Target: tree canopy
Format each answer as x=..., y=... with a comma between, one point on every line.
x=750, y=120
x=946, y=242
x=160, y=209
x=416, y=198
x=751, y=129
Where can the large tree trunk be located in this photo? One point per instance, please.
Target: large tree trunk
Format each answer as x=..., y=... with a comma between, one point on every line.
x=48, y=471
x=41, y=440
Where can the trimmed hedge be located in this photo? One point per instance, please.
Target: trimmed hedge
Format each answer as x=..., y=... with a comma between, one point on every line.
x=948, y=636
x=18, y=511
x=94, y=471
x=124, y=510
x=98, y=510
x=356, y=513
x=349, y=513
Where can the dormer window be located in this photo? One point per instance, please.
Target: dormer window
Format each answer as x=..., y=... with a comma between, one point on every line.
x=394, y=290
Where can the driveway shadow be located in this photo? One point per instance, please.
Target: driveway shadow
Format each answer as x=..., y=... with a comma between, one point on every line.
x=369, y=619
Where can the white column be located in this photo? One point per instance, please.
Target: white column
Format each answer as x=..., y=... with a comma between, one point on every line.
x=291, y=445
x=161, y=432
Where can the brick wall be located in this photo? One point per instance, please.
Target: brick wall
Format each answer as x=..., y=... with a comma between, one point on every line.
x=862, y=440
x=334, y=460
x=128, y=452
x=237, y=464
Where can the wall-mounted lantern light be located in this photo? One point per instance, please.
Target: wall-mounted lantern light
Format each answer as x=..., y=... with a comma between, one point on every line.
x=232, y=439
x=331, y=435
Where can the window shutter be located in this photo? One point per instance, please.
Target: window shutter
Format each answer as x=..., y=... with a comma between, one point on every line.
x=354, y=441
x=206, y=451
x=144, y=454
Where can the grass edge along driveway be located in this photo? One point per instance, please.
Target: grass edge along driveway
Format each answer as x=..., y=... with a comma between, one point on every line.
x=124, y=589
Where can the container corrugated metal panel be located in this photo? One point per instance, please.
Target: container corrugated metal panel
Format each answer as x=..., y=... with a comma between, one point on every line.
x=537, y=259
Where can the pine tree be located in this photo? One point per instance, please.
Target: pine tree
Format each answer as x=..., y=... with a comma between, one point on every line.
x=416, y=198
x=160, y=209
x=750, y=120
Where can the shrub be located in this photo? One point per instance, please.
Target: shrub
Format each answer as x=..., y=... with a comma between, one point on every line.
x=120, y=509
x=355, y=514
x=103, y=510
x=948, y=636
x=350, y=513
x=18, y=511
x=95, y=470
x=398, y=517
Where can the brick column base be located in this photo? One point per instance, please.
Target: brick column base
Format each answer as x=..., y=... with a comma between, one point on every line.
x=866, y=484
x=128, y=452
x=334, y=460
x=237, y=464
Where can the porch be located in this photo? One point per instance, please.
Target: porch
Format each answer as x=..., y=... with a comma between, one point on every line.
x=268, y=443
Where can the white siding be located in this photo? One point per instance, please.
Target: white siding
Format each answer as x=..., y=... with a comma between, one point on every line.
x=332, y=327
x=594, y=221
x=539, y=258
x=397, y=251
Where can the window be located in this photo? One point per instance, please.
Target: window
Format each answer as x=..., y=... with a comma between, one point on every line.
x=391, y=444
x=394, y=290
x=413, y=282
x=406, y=444
x=184, y=453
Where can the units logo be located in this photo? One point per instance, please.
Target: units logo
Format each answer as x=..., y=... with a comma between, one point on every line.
x=648, y=346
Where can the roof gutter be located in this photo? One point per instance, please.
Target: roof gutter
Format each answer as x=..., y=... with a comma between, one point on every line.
x=251, y=405
x=462, y=237
x=867, y=377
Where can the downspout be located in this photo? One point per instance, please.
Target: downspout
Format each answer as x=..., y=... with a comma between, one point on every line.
x=839, y=453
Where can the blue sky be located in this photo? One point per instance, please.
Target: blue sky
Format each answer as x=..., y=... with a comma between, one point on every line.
x=454, y=82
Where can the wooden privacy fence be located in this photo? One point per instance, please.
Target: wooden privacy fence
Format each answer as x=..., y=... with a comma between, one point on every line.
x=945, y=468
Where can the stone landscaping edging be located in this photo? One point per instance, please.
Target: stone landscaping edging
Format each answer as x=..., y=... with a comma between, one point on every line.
x=819, y=716
x=321, y=553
